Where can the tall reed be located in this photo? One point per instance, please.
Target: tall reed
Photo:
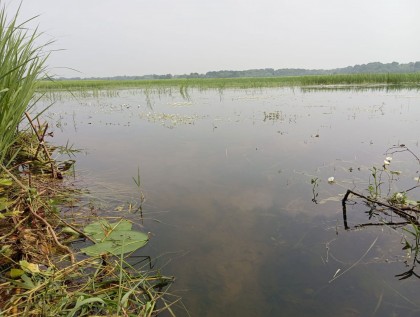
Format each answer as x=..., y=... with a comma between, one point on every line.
x=21, y=66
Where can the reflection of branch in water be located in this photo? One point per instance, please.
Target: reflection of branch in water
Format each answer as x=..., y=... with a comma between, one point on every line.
x=410, y=272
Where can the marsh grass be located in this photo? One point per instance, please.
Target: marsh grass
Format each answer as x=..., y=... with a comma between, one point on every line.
x=401, y=80
x=22, y=65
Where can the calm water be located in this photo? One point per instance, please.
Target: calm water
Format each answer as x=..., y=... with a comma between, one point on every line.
x=229, y=200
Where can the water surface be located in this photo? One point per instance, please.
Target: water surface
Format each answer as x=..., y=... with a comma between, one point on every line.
x=229, y=200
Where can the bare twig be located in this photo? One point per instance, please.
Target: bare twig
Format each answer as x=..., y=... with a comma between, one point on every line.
x=40, y=143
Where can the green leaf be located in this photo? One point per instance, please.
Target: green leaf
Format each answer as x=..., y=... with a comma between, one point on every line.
x=14, y=273
x=121, y=242
x=5, y=182
x=407, y=245
x=83, y=302
x=5, y=203
x=100, y=229
x=27, y=282
x=114, y=238
x=70, y=231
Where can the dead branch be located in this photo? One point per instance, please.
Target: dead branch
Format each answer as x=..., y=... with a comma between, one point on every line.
x=397, y=210
x=41, y=142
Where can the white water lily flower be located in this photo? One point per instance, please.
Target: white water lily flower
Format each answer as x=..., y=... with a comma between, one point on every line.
x=386, y=162
x=417, y=179
x=399, y=196
x=388, y=158
x=331, y=180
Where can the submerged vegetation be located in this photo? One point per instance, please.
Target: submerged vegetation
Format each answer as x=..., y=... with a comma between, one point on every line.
x=41, y=272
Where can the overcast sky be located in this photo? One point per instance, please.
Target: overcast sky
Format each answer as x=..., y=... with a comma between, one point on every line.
x=138, y=37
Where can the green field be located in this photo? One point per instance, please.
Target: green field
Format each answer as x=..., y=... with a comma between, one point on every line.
x=405, y=80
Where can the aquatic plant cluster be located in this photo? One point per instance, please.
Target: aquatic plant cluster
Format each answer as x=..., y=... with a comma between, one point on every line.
x=392, y=206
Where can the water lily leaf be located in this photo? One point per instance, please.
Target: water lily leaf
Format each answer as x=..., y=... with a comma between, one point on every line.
x=114, y=238
x=119, y=242
x=100, y=229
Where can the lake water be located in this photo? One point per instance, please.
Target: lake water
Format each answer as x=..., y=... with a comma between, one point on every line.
x=230, y=204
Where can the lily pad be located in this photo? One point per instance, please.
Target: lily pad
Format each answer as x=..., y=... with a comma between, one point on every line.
x=114, y=238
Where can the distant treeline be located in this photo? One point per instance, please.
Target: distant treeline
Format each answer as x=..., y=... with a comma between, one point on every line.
x=370, y=68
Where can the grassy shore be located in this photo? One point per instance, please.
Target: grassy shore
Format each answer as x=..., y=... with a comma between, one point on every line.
x=41, y=273
x=403, y=80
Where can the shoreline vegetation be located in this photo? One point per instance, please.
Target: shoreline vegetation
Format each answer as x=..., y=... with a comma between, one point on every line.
x=57, y=257
x=397, y=80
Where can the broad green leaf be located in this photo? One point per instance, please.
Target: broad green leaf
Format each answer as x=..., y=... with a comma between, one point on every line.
x=102, y=228
x=119, y=242
x=115, y=238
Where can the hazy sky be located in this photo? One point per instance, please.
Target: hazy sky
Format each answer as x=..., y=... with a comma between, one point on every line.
x=138, y=37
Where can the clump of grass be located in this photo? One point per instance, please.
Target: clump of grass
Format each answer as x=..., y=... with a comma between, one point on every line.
x=90, y=286
x=22, y=65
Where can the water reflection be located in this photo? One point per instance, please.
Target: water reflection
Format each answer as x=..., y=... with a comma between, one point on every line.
x=232, y=196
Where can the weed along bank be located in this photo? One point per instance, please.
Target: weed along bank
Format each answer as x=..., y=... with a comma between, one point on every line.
x=42, y=272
